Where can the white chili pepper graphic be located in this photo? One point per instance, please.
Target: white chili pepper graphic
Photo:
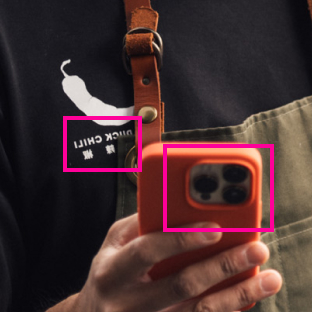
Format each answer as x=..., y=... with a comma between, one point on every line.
x=76, y=90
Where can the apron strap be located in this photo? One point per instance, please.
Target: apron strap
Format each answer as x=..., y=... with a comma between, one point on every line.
x=310, y=7
x=142, y=57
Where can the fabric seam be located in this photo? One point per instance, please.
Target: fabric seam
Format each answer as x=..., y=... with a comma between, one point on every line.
x=288, y=236
x=250, y=126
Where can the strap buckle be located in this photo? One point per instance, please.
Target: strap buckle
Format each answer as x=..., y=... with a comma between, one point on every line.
x=157, y=46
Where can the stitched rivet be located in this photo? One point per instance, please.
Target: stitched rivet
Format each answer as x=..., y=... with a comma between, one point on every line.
x=148, y=113
x=146, y=81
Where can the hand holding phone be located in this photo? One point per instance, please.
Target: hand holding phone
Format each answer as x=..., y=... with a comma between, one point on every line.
x=118, y=279
x=220, y=185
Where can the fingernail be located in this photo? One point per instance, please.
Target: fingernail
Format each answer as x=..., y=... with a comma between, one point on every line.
x=257, y=254
x=270, y=282
x=210, y=236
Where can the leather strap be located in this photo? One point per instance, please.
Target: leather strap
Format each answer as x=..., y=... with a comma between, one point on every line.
x=131, y=5
x=139, y=47
x=310, y=7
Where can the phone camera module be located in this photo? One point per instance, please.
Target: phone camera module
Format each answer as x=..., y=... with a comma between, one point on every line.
x=205, y=196
x=235, y=173
x=205, y=184
x=234, y=194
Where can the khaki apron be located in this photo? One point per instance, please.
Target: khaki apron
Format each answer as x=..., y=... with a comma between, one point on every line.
x=289, y=128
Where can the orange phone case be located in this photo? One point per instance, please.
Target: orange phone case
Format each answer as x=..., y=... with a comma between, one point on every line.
x=182, y=209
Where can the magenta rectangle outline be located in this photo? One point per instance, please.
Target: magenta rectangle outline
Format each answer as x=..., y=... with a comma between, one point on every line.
x=218, y=145
x=138, y=169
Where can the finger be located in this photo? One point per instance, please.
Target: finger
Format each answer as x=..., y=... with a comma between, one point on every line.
x=265, y=284
x=122, y=232
x=145, y=251
x=184, y=307
x=201, y=276
x=197, y=278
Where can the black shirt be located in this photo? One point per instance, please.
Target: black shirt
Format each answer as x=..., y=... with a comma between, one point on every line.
x=223, y=61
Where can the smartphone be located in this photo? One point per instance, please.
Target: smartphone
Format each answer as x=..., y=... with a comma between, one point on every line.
x=221, y=185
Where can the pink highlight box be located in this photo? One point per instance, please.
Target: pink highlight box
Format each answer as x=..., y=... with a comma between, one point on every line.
x=138, y=169
x=218, y=145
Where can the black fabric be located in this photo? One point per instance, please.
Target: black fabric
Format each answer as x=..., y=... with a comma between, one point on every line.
x=223, y=61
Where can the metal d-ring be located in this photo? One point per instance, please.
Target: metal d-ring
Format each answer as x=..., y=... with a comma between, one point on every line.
x=131, y=162
x=157, y=46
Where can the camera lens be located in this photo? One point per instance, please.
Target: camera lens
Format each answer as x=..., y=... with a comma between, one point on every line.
x=235, y=173
x=234, y=195
x=205, y=184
